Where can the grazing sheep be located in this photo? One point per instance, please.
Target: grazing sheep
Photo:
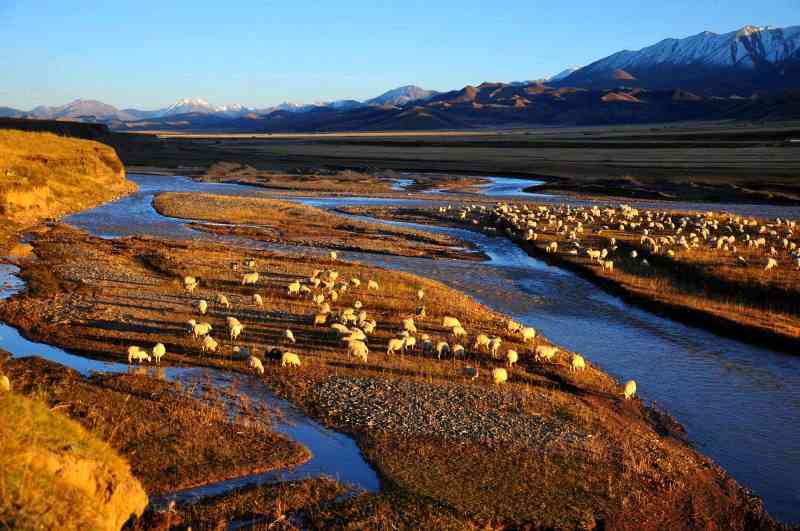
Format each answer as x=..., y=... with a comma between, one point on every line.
x=236, y=331
x=340, y=328
x=255, y=363
x=458, y=350
x=546, y=352
x=395, y=345
x=494, y=346
x=232, y=321
x=528, y=334
x=771, y=263
x=373, y=285
x=290, y=358
x=578, y=363
x=450, y=322
x=630, y=389
x=513, y=326
x=202, y=307
x=320, y=319
x=158, y=352
x=250, y=278
x=333, y=255
x=359, y=350
x=5, y=384
x=136, y=353
x=471, y=373
x=258, y=300
x=409, y=326
x=318, y=299
x=608, y=265
x=289, y=336
x=190, y=283
x=499, y=376
x=355, y=282
x=481, y=342
x=410, y=343
x=369, y=326
x=294, y=288
x=511, y=358
x=209, y=344
x=458, y=332
x=222, y=300
x=420, y=294
x=442, y=348
x=356, y=334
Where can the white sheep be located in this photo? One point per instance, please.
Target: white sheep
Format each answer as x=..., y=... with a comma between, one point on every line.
x=202, y=307
x=289, y=336
x=137, y=354
x=158, y=352
x=578, y=363
x=499, y=376
x=255, y=363
x=546, y=352
x=458, y=350
x=513, y=326
x=294, y=288
x=458, y=331
x=5, y=384
x=395, y=345
x=236, y=331
x=373, y=285
x=511, y=357
x=409, y=326
x=630, y=389
x=209, y=344
x=290, y=358
x=320, y=319
x=420, y=294
x=608, y=265
x=450, y=322
x=359, y=350
x=222, y=300
x=355, y=282
x=318, y=299
x=442, y=348
x=771, y=263
x=481, y=342
x=258, y=300
x=340, y=328
x=190, y=283
x=494, y=346
x=528, y=334
x=250, y=278
x=333, y=255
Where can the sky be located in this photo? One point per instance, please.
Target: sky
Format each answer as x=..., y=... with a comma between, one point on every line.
x=146, y=55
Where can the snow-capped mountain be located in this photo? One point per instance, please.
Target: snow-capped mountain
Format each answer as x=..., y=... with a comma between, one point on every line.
x=563, y=74
x=75, y=109
x=749, y=59
x=201, y=106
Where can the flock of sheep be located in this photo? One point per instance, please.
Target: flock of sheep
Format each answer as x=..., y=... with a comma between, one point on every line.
x=770, y=245
x=353, y=326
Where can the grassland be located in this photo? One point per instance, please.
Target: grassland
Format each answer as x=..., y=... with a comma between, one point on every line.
x=551, y=448
x=44, y=176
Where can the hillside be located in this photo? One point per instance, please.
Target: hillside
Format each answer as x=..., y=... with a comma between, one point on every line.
x=43, y=176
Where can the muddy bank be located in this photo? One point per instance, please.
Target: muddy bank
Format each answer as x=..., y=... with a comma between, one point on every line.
x=623, y=460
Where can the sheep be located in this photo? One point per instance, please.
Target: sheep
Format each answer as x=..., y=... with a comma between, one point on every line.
x=359, y=350
x=373, y=285
x=236, y=331
x=294, y=288
x=190, y=283
x=494, y=346
x=340, y=328
x=290, y=358
x=258, y=300
x=578, y=363
x=395, y=345
x=771, y=263
x=511, y=357
x=289, y=336
x=481, y=342
x=442, y=348
x=630, y=389
x=409, y=326
x=202, y=307
x=136, y=353
x=5, y=384
x=608, y=265
x=546, y=352
x=458, y=332
x=458, y=350
x=471, y=373
x=420, y=294
x=499, y=376
x=450, y=322
x=255, y=363
x=209, y=344
x=232, y=321
x=410, y=343
x=320, y=319
x=356, y=334
x=222, y=300
x=250, y=278
x=513, y=326
x=318, y=299
x=333, y=255
x=528, y=334
x=158, y=352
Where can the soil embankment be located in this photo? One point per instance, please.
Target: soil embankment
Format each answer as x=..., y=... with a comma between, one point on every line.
x=44, y=176
x=481, y=453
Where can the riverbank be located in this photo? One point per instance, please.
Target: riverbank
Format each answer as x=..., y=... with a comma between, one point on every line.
x=726, y=291
x=44, y=176
x=589, y=456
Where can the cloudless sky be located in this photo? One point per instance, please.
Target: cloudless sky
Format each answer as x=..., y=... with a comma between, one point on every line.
x=147, y=54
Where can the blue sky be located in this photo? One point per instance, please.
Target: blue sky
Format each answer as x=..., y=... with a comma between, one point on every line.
x=148, y=54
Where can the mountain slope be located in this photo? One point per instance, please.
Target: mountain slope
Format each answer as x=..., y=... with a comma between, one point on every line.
x=743, y=61
x=401, y=96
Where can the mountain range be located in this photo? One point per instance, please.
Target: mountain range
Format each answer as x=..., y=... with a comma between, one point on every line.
x=747, y=73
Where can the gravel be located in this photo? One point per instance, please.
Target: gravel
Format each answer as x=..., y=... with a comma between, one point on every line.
x=451, y=411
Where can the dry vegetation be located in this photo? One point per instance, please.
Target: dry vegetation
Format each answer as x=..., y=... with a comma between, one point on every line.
x=287, y=222
x=438, y=441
